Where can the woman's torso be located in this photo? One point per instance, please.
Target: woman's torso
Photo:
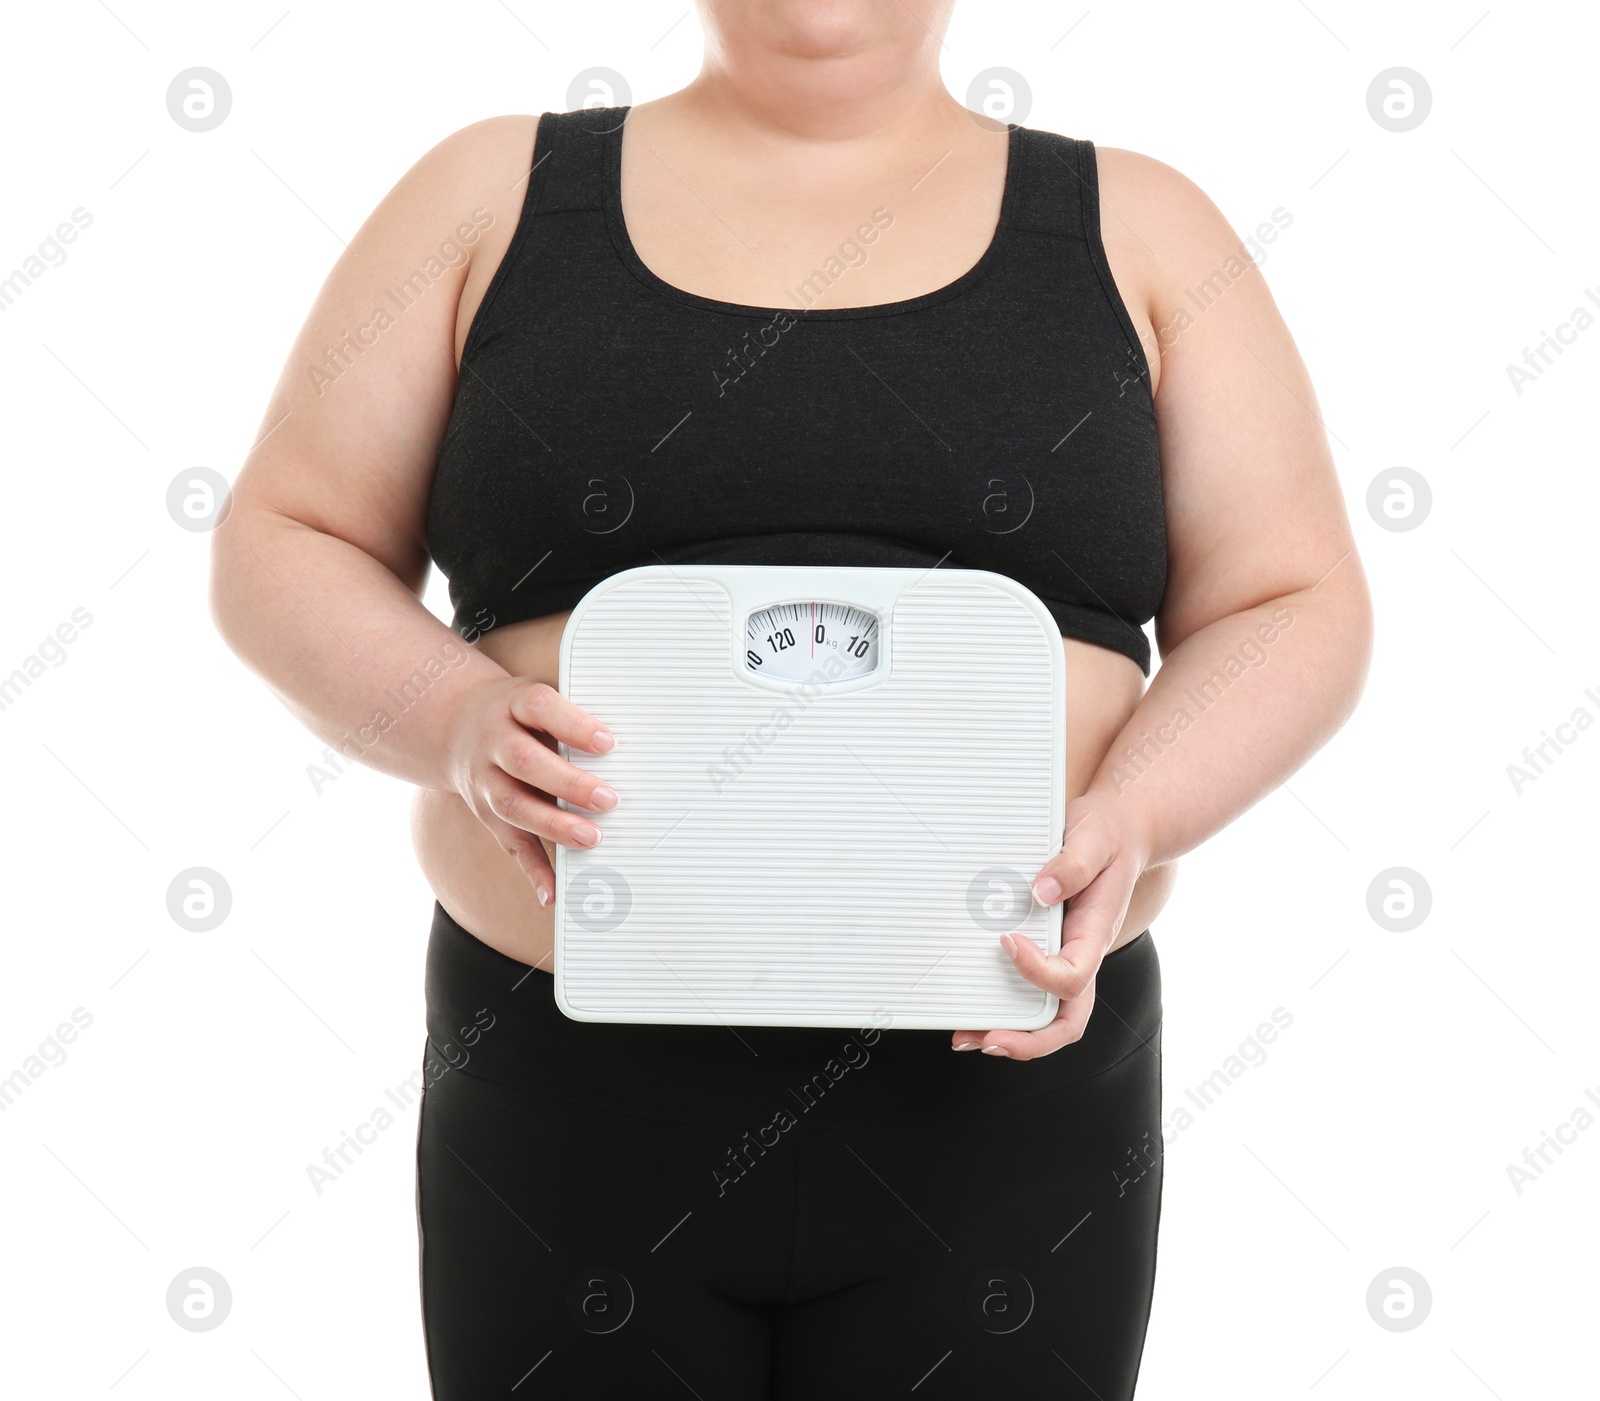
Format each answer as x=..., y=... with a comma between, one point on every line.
x=1003, y=420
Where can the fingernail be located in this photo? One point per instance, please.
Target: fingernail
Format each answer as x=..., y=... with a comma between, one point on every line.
x=543, y=894
x=604, y=796
x=966, y=1045
x=604, y=740
x=1010, y=944
x=1047, y=890
x=996, y=1051
x=586, y=833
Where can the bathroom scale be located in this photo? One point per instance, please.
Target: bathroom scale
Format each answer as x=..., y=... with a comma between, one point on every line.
x=835, y=787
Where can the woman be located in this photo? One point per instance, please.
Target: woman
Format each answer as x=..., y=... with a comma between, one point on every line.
x=808, y=310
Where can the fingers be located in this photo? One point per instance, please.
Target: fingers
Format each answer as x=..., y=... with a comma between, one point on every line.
x=1066, y=974
x=527, y=759
x=1071, y=1020
x=1087, y=850
x=539, y=706
x=518, y=805
x=1087, y=931
x=513, y=780
x=1095, y=874
x=530, y=855
x=1092, y=920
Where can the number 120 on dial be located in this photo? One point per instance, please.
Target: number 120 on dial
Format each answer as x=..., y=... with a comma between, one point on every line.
x=795, y=641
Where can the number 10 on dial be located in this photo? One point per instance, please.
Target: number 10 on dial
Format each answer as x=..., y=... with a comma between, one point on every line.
x=795, y=641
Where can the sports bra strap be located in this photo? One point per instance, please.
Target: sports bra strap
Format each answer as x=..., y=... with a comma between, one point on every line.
x=569, y=165
x=1058, y=185
x=1059, y=192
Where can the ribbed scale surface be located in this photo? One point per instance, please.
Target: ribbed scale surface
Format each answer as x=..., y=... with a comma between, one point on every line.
x=809, y=860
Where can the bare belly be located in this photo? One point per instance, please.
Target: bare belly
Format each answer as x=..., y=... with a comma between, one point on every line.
x=485, y=892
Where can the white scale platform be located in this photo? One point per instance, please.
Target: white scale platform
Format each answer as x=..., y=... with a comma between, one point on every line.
x=835, y=835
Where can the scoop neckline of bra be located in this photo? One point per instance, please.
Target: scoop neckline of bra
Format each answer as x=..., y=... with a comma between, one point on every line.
x=622, y=241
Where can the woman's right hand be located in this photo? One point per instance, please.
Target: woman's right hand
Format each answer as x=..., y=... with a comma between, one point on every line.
x=502, y=761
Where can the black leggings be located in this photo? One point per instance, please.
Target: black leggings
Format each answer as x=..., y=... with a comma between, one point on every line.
x=812, y=1214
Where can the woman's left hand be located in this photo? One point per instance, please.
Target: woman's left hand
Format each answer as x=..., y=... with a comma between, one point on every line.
x=1100, y=859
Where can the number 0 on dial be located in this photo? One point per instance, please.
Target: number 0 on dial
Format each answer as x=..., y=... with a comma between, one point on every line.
x=795, y=641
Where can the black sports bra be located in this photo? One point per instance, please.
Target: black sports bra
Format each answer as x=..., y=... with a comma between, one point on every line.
x=605, y=419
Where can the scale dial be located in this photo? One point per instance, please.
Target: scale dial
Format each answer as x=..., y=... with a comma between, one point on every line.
x=811, y=641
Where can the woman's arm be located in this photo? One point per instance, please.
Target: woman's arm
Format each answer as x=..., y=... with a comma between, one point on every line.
x=319, y=567
x=1266, y=627
x=1265, y=631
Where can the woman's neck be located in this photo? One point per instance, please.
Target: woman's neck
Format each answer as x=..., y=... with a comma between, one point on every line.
x=803, y=100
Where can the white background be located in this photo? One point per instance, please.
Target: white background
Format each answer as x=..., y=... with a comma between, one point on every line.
x=1378, y=1131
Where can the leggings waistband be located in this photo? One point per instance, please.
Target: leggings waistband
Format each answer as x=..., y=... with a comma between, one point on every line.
x=491, y=1016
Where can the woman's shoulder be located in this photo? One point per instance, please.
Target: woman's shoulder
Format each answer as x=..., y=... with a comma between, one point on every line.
x=1143, y=200
x=478, y=156
x=1142, y=187
x=472, y=179
x=1159, y=224
x=469, y=188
